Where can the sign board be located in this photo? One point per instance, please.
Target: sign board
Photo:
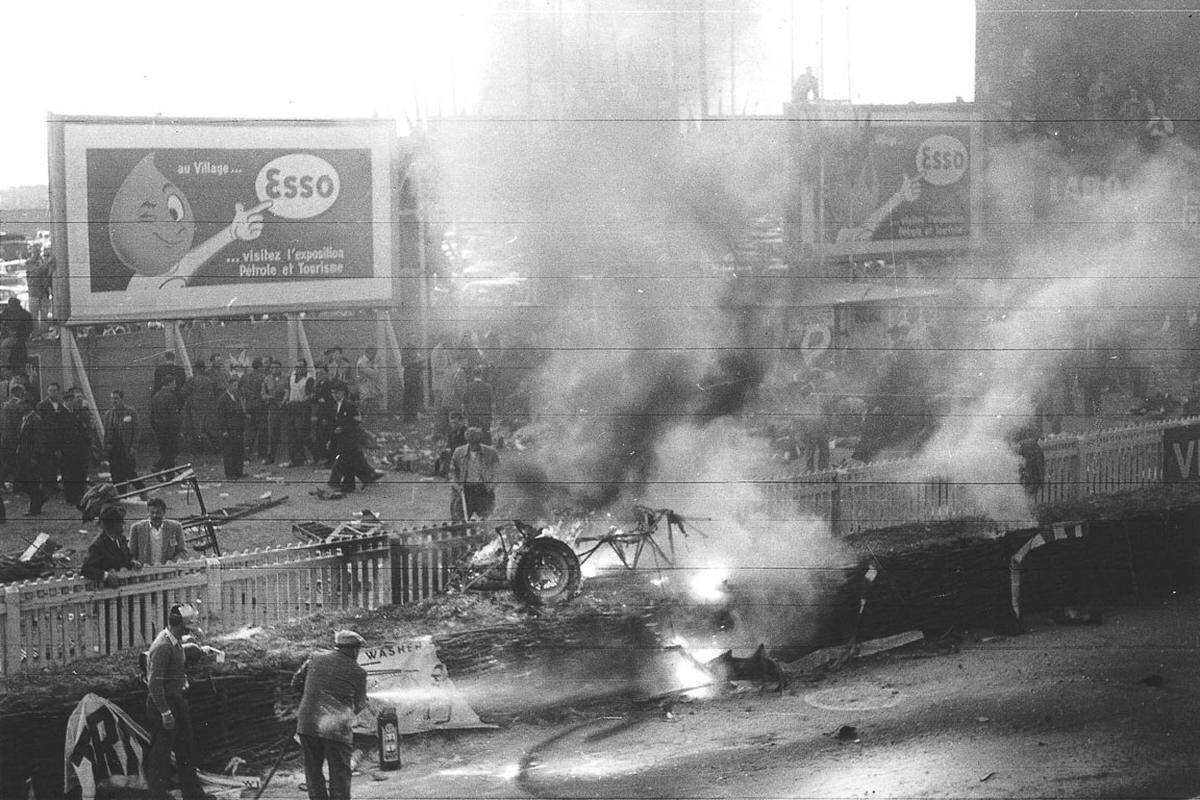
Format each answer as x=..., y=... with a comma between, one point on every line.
x=177, y=219
x=1092, y=90
x=892, y=179
x=409, y=676
x=105, y=748
x=1181, y=454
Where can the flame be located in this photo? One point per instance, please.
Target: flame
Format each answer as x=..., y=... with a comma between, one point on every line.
x=247, y=632
x=690, y=673
x=506, y=772
x=708, y=584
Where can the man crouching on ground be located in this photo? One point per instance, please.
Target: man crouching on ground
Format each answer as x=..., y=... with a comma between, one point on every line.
x=334, y=691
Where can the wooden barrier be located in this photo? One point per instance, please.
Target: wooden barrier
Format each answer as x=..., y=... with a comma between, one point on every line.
x=423, y=560
x=897, y=492
x=57, y=620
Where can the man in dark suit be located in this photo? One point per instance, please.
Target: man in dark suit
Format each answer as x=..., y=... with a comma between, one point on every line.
x=157, y=540
x=11, y=414
x=32, y=448
x=477, y=403
x=109, y=551
x=231, y=422
x=346, y=444
x=322, y=416
x=168, y=369
x=77, y=442
x=165, y=422
x=56, y=418
x=120, y=438
x=256, y=410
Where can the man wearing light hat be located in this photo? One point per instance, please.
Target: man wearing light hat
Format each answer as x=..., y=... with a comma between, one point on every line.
x=168, y=717
x=334, y=691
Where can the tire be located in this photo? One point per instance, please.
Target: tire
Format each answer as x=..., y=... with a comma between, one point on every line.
x=547, y=572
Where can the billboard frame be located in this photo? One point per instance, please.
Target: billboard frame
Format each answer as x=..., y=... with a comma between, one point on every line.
x=809, y=118
x=377, y=137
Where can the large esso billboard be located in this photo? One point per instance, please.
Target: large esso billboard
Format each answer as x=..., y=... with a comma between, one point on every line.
x=894, y=179
x=179, y=219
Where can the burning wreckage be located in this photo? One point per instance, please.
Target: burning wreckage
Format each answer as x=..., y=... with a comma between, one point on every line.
x=545, y=564
x=716, y=623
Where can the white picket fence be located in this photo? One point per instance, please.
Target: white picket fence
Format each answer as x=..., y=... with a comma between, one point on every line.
x=905, y=490
x=56, y=620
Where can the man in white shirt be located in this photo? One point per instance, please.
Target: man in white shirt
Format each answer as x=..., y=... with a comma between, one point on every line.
x=157, y=540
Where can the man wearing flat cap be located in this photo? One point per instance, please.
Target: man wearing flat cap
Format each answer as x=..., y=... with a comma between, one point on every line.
x=168, y=715
x=334, y=691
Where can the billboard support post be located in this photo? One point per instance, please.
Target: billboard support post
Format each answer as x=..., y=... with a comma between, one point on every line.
x=75, y=359
x=175, y=344
x=426, y=296
x=68, y=378
x=305, y=350
x=393, y=343
x=58, y=219
x=293, y=341
x=381, y=343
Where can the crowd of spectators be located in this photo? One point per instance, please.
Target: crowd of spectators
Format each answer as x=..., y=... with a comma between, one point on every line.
x=1082, y=100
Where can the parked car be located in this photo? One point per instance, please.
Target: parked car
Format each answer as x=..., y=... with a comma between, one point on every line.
x=14, y=250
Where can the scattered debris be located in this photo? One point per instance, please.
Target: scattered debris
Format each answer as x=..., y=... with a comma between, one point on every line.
x=322, y=493
x=886, y=643
x=41, y=558
x=1070, y=615
x=368, y=522
x=200, y=530
x=847, y=733
x=413, y=452
x=758, y=668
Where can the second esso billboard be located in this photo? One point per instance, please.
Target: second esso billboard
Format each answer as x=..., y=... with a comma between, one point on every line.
x=897, y=180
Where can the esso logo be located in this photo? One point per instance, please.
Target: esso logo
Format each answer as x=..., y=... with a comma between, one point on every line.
x=299, y=185
x=942, y=160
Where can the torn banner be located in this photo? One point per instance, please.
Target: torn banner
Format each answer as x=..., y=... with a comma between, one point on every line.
x=409, y=676
x=105, y=747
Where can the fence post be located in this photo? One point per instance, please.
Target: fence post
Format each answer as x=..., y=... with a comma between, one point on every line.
x=384, y=586
x=12, y=629
x=835, y=508
x=213, y=595
x=1083, y=468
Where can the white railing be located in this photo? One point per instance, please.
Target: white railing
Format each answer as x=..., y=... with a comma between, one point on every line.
x=903, y=491
x=57, y=620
